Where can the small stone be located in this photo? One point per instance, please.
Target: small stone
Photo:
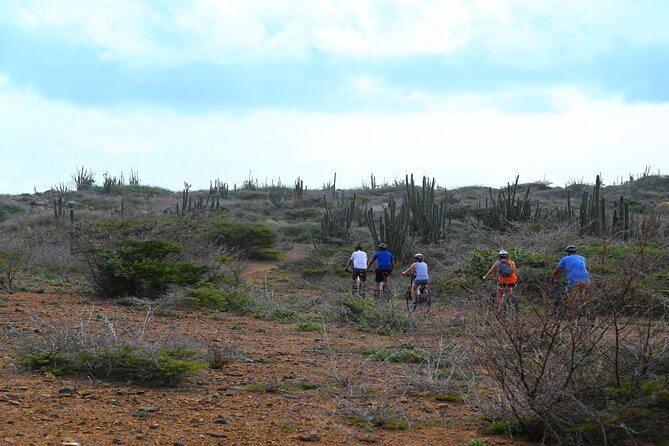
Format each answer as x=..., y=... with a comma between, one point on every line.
x=140, y=436
x=67, y=390
x=312, y=437
x=150, y=408
x=220, y=421
x=115, y=403
x=117, y=441
x=368, y=437
x=217, y=434
x=179, y=443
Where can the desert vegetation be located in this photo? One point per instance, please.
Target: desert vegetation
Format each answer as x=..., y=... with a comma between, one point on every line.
x=136, y=281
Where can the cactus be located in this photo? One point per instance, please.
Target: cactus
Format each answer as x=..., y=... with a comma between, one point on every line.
x=500, y=211
x=185, y=199
x=393, y=227
x=278, y=195
x=428, y=216
x=300, y=190
x=84, y=179
x=133, y=179
x=335, y=223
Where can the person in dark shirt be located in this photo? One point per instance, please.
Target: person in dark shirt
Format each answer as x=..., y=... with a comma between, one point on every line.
x=385, y=264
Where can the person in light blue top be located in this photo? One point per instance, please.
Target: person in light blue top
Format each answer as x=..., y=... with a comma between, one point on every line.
x=578, y=279
x=419, y=268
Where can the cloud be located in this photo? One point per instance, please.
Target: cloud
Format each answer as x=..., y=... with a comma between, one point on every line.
x=476, y=144
x=512, y=32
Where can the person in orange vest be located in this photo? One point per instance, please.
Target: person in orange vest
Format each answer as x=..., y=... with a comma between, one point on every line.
x=506, y=278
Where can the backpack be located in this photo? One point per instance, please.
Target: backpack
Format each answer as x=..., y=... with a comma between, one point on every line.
x=504, y=268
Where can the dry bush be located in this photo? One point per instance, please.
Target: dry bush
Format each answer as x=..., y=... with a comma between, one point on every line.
x=596, y=377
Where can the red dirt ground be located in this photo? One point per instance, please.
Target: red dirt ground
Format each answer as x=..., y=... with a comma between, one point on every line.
x=215, y=407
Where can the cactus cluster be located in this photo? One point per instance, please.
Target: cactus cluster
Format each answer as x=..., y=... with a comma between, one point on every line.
x=335, y=223
x=278, y=194
x=84, y=179
x=393, y=226
x=506, y=207
x=299, y=192
x=428, y=216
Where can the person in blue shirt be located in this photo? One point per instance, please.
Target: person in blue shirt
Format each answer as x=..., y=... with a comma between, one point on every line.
x=385, y=264
x=578, y=279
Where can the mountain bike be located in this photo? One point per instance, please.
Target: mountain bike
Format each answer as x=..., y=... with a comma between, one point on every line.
x=384, y=287
x=423, y=299
x=358, y=289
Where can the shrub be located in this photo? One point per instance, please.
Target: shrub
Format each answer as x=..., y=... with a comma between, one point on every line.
x=256, y=239
x=368, y=315
x=142, y=268
x=167, y=367
x=310, y=326
x=8, y=210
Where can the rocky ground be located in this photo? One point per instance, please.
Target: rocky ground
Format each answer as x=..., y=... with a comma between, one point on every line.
x=275, y=385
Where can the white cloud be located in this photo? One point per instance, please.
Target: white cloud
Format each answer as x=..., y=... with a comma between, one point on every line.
x=476, y=144
x=512, y=31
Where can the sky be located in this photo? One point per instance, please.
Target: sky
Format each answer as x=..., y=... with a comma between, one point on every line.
x=470, y=92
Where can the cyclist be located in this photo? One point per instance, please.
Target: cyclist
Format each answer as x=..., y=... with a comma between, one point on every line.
x=419, y=268
x=358, y=260
x=506, y=278
x=578, y=278
x=385, y=264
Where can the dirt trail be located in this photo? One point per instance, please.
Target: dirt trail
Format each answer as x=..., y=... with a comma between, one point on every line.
x=281, y=387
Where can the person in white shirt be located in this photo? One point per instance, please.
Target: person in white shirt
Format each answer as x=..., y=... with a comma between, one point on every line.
x=358, y=261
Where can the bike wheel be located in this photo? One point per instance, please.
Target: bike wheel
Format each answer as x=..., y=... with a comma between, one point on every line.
x=424, y=302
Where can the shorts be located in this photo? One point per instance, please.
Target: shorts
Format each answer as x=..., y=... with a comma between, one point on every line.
x=381, y=274
x=361, y=271
x=506, y=285
x=421, y=281
x=576, y=287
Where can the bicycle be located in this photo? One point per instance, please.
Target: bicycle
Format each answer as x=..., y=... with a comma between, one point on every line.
x=358, y=289
x=384, y=287
x=423, y=299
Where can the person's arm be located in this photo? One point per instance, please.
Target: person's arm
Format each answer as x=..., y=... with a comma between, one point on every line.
x=491, y=271
x=392, y=262
x=369, y=265
x=410, y=269
x=556, y=271
x=349, y=264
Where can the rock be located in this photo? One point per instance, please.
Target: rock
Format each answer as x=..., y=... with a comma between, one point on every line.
x=67, y=390
x=150, y=408
x=368, y=437
x=140, y=436
x=312, y=437
x=179, y=443
x=117, y=441
x=217, y=434
x=220, y=421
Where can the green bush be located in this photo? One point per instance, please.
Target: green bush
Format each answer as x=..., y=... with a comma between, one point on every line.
x=310, y=326
x=142, y=268
x=8, y=210
x=368, y=315
x=406, y=353
x=256, y=239
x=167, y=367
x=300, y=233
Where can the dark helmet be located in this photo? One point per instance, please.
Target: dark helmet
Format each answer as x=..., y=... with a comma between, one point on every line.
x=383, y=246
x=418, y=257
x=570, y=249
x=503, y=254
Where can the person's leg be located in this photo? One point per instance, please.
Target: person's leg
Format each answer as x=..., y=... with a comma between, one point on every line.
x=500, y=298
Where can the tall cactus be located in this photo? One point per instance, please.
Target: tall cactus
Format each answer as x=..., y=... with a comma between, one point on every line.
x=428, y=216
x=393, y=227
